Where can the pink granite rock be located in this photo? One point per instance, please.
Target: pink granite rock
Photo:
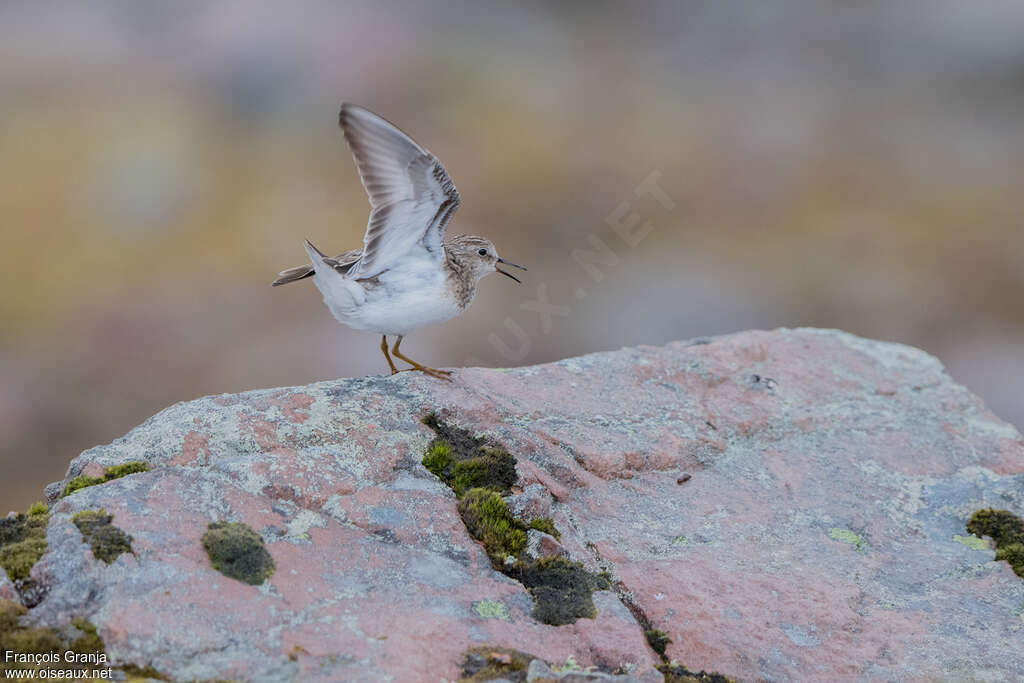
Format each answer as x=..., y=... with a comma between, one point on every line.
x=7, y=590
x=820, y=536
x=539, y=544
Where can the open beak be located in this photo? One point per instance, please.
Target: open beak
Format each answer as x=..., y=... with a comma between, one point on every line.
x=507, y=263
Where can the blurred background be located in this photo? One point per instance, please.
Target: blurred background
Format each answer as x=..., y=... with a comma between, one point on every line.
x=857, y=165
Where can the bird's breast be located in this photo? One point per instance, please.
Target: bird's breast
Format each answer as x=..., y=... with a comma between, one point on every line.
x=401, y=302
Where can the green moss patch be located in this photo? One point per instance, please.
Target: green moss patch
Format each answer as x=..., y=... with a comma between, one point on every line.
x=545, y=525
x=38, y=508
x=1006, y=529
x=23, y=541
x=480, y=473
x=142, y=673
x=79, y=637
x=562, y=590
x=464, y=461
x=111, y=473
x=24, y=642
x=237, y=551
x=489, y=521
x=105, y=539
x=494, y=663
x=675, y=673
x=658, y=640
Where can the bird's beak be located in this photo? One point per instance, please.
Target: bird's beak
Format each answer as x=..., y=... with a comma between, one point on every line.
x=507, y=263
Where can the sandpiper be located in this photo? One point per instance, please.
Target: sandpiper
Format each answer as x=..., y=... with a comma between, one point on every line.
x=408, y=273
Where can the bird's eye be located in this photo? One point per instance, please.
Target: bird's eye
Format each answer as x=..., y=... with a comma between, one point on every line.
x=482, y=252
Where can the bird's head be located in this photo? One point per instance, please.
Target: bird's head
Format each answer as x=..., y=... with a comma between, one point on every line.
x=479, y=255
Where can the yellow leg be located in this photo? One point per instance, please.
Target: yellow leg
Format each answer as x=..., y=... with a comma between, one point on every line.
x=440, y=374
x=384, y=348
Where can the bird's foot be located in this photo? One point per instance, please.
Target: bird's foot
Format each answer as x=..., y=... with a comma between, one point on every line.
x=434, y=372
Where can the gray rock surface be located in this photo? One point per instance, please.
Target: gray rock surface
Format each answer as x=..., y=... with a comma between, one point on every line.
x=820, y=537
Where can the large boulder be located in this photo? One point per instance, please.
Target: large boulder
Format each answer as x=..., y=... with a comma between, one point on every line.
x=782, y=505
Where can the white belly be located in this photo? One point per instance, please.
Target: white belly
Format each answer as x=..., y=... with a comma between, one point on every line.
x=399, y=303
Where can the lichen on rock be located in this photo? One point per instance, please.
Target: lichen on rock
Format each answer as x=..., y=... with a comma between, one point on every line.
x=105, y=539
x=847, y=536
x=237, y=551
x=491, y=609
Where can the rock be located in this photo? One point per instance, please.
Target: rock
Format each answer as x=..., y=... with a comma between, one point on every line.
x=533, y=503
x=540, y=544
x=7, y=589
x=53, y=490
x=819, y=537
x=540, y=672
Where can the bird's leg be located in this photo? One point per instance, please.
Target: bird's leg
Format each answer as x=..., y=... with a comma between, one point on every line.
x=384, y=348
x=440, y=374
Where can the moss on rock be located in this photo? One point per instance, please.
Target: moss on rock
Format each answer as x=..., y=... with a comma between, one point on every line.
x=479, y=474
x=461, y=440
x=465, y=462
x=439, y=459
x=674, y=673
x=142, y=673
x=658, y=640
x=489, y=521
x=105, y=539
x=24, y=640
x=111, y=473
x=562, y=590
x=80, y=638
x=38, y=508
x=23, y=541
x=494, y=469
x=1006, y=529
x=90, y=640
x=235, y=550
x=494, y=663
x=545, y=525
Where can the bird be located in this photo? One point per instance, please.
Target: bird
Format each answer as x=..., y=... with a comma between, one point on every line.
x=409, y=272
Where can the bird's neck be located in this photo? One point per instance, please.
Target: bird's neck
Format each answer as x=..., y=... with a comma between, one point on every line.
x=461, y=279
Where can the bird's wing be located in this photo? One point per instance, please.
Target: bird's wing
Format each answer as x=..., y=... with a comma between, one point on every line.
x=411, y=195
x=343, y=262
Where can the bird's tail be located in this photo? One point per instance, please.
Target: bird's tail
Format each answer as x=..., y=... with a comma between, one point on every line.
x=299, y=272
x=293, y=274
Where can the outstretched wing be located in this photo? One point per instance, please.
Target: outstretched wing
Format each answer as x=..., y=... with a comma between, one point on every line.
x=411, y=195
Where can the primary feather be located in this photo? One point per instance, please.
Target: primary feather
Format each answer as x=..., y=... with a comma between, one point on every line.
x=411, y=195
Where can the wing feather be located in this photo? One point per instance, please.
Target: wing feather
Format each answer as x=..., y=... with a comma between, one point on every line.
x=412, y=197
